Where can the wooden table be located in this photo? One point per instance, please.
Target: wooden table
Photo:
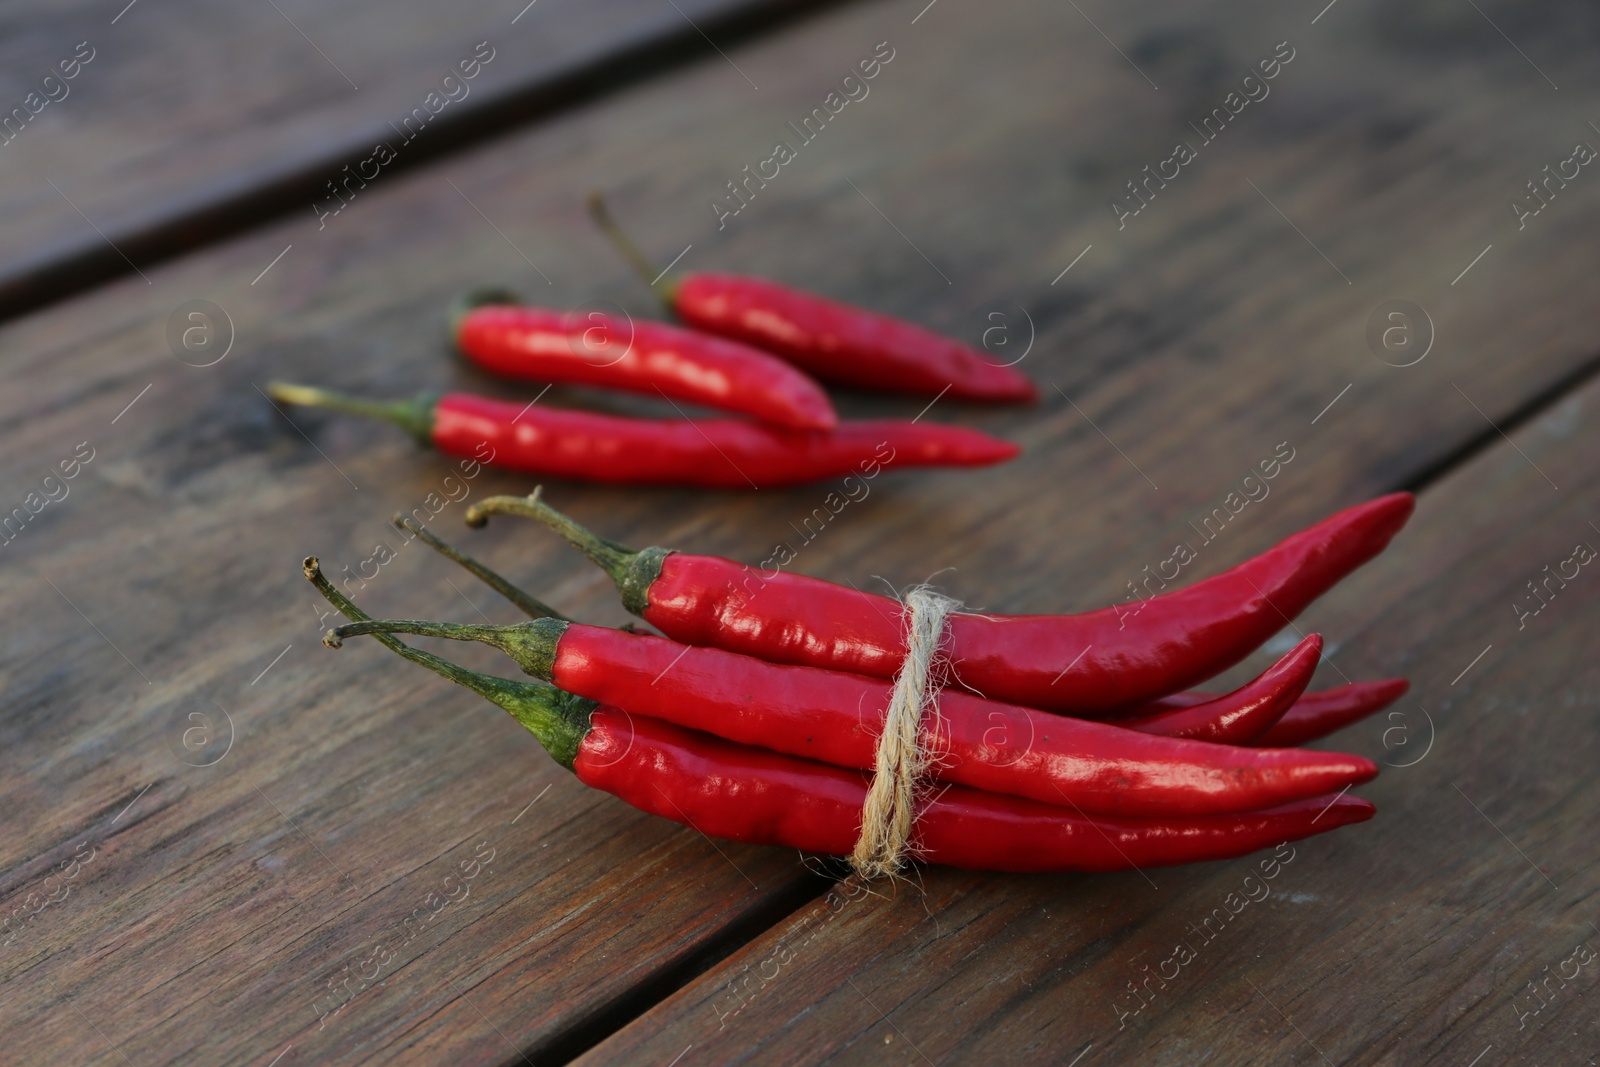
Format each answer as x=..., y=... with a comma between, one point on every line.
x=238, y=817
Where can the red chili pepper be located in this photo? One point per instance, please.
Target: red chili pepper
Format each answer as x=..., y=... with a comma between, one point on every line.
x=837, y=718
x=1084, y=664
x=1275, y=702
x=1273, y=711
x=713, y=453
x=1320, y=714
x=836, y=342
x=1246, y=714
x=1316, y=714
x=723, y=789
x=592, y=348
x=840, y=343
x=734, y=791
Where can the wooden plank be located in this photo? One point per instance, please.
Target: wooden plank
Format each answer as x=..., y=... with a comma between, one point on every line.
x=1410, y=939
x=283, y=860
x=346, y=789
x=163, y=126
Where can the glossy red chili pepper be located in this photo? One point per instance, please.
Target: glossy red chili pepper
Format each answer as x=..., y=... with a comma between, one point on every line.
x=734, y=791
x=840, y=343
x=1246, y=714
x=1272, y=711
x=834, y=341
x=1316, y=714
x=712, y=453
x=1084, y=664
x=725, y=789
x=837, y=718
x=654, y=358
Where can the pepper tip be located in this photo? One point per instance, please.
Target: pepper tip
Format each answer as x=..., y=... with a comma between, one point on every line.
x=1357, y=809
x=1397, y=508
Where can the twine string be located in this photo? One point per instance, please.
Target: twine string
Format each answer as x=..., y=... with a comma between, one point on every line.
x=889, y=814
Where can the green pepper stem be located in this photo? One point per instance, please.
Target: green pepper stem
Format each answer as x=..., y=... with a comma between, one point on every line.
x=559, y=720
x=632, y=570
x=612, y=557
x=531, y=644
x=477, y=298
x=530, y=605
x=663, y=284
x=415, y=416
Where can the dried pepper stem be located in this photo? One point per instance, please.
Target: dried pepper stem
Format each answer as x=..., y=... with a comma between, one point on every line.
x=558, y=720
x=531, y=605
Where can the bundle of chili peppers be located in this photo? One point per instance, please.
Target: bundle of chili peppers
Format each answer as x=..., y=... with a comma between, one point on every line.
x=751, y=349
x=1058, y=742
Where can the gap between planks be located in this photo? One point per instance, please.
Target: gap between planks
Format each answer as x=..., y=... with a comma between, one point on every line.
x=514, y=109
x=598, y=1022
x=1532, y=408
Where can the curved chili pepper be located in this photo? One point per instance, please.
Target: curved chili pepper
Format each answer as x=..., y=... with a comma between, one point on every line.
x=712, y=453
x=837, y=718
x=645, y=357
x=841, y=343
x=834, y=341
x=1084, y=664
x=1316, y=714
x=1253, y=714
x=1246, y=714
x=735, y=791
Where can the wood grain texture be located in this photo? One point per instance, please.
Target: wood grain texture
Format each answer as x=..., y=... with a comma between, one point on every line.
x=1192, y=342
x=191, y=120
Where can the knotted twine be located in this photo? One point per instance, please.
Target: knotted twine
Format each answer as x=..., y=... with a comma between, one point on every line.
x=888, y=816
